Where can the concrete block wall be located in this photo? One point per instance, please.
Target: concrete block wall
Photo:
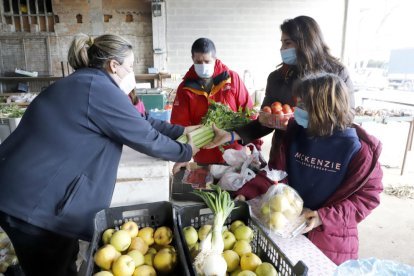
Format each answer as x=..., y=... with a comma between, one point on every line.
x=246, y=33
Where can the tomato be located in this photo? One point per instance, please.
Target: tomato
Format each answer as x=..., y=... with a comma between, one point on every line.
x=267, y=109
x=278, y=112
x=286, y=108
x=277, y=104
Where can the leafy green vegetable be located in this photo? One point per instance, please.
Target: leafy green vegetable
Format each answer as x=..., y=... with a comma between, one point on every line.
x=11, y=111
x=225, y=118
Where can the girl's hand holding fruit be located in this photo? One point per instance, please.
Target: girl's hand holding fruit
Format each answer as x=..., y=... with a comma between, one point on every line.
x=276, y=115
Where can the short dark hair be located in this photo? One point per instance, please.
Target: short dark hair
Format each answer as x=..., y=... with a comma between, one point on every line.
x=203, y=45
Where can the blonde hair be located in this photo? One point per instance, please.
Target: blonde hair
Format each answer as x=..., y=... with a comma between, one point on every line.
x=325, y=98
x=87, y=52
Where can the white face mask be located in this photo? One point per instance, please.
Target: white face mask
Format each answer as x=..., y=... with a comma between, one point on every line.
x=204, y=70
x=128, y=83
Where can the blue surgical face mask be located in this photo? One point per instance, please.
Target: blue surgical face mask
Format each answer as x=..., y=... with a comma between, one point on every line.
x=288, y=56
x=204, y=70
x=301, y=117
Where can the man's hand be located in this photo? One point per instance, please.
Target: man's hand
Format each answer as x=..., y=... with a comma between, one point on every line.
x=188, y=129
x=312, y=220
x=220, y=137
x=177, y=166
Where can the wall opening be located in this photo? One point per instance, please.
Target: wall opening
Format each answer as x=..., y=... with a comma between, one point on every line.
x=23, y=13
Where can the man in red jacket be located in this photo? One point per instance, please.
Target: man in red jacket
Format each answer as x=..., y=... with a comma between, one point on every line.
x=207, y=79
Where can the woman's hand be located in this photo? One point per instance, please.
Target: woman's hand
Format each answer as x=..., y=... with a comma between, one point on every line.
x=188, y=129
x=312, y=220
x=178, y=165
x=220, y=137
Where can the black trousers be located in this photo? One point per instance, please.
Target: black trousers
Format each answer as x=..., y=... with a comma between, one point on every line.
x=41, y=252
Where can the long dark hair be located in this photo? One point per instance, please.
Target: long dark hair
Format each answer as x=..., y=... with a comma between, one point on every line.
x=313, y=55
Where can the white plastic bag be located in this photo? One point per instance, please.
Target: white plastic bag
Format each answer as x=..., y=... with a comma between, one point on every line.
x=240, y=167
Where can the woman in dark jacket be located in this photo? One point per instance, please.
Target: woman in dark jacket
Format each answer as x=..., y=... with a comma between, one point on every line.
x=58, y=168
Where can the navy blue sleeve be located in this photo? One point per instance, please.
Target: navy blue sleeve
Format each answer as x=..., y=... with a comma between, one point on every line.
x=111, y=112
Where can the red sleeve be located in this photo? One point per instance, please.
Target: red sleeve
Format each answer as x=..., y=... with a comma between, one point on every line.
x=180, y=113
x=256, y=186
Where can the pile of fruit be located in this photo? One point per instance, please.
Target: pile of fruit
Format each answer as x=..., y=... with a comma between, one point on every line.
x=7, y=254
x=134, y=251
x=280, y=205
x=277, y=115
x=238, y=254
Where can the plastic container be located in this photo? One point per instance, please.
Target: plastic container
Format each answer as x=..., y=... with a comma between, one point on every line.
x=199, y=214
x=154, y=214
x=163, y=115
x=275, y=120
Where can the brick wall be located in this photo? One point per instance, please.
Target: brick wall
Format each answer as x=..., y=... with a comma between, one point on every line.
x=246, y=32
x=129, y=18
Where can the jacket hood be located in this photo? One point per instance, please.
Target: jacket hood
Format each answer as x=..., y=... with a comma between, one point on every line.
x=219, y=68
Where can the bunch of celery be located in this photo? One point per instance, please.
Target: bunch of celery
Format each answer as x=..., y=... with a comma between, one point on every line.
x=223, y=117
x=201, y=136
x=210, y=261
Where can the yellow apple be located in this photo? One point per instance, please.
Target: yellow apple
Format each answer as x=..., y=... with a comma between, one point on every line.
x=123, y=266
x=137, y=256
x=236, y=271
x=147, y=234
x=144, y=270
x=243, y=232
x=232, y=259
x=103, y=273
x=228, y=239
x=165, y=260
x=242, y=247
x=149, y=258
x=277, y=221
x=265, y=210
x=152, y=250
x=246, y=273
x=279, y=203
x=236, y=224
x=250, y=261
x=105, y=256
x=266, y=269
x=131, y=227
x=190, y=235
x=204, y=231
x=139, y=244
x=163, y=235
x=107, y=234
x=289, y=193
x=120, y=240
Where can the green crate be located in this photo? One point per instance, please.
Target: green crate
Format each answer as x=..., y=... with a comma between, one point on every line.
x=152, y=101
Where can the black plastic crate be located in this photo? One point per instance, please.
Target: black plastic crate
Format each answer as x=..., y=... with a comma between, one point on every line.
x=199, y=214
x=154, y=214
x=181, y=191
